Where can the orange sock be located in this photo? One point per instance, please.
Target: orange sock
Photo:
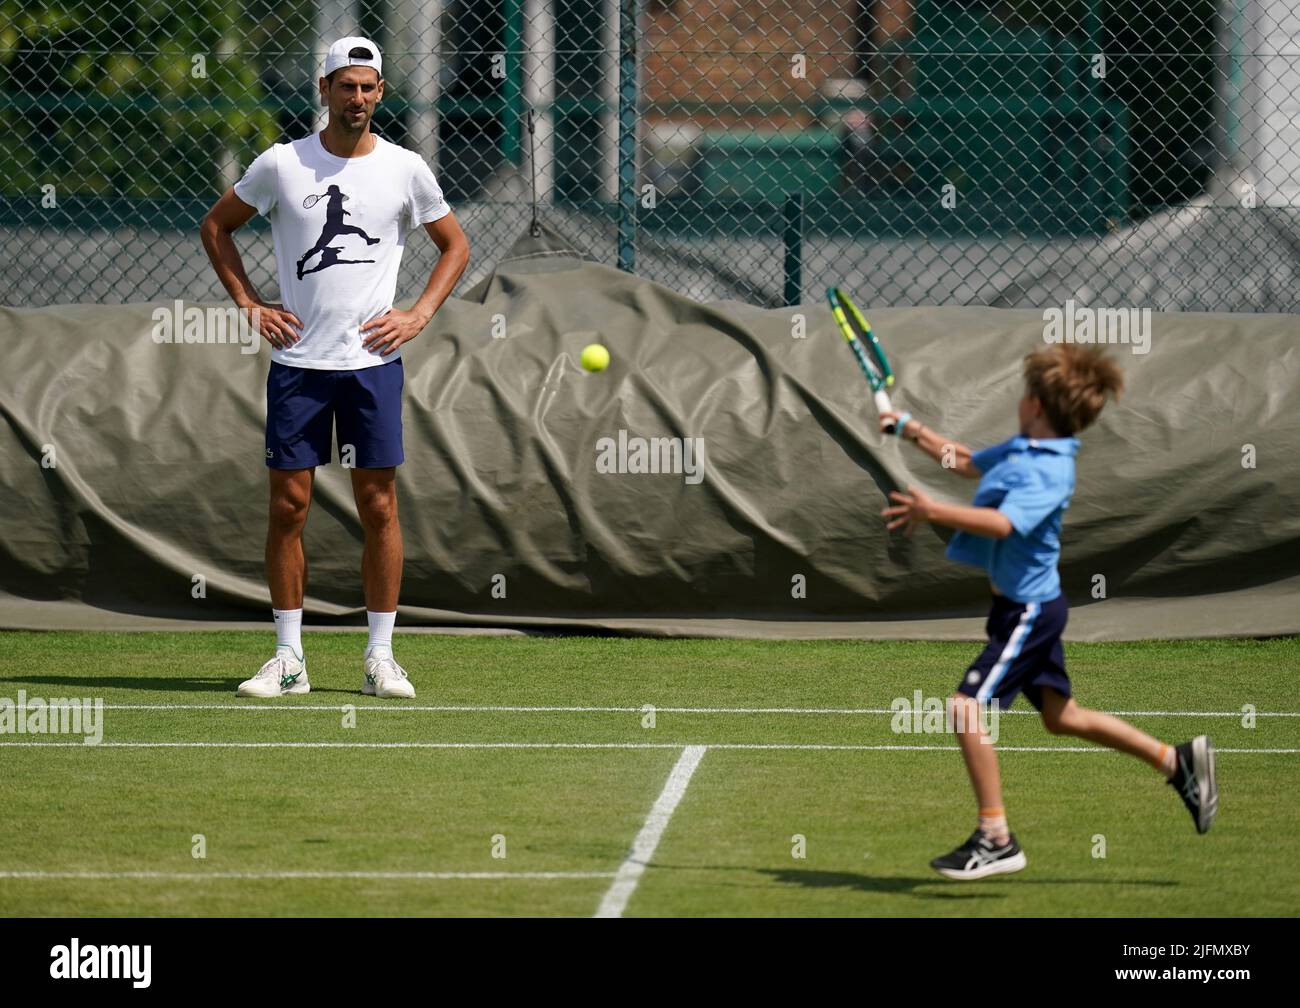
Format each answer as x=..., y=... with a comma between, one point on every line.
x=1168, y=759
x=993, y=824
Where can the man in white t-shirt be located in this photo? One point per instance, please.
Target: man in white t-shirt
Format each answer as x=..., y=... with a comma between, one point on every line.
x=341, y=203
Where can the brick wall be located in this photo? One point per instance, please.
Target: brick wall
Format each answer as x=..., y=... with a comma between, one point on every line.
x=740, y=54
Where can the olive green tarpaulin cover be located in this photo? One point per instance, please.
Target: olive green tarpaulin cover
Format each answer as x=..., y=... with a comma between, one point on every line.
x=133, y=488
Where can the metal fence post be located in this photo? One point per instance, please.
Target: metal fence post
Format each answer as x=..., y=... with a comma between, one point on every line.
x=628, y=11
x=792, y=239
x=512, y=90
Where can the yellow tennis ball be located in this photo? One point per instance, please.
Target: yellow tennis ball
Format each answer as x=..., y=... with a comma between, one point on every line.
x=595, y=357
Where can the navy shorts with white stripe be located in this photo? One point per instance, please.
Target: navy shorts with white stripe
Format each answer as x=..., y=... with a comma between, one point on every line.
x=1023, y=654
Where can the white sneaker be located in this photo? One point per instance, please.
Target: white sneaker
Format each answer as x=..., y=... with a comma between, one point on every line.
x=282, y=674
x=384, y=678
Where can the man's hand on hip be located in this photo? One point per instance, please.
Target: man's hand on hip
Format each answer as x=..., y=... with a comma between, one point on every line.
x=391, y=330
x=274, y=322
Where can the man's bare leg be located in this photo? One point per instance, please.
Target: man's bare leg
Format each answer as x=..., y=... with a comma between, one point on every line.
x=381, y=560
x=286, y=564
x=381, y=576
x=286, y=576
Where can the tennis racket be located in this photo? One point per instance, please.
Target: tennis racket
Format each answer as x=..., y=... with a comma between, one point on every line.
x=866, y=348
x=315, y=198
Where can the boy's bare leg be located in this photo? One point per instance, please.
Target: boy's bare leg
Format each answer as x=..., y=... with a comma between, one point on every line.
x=991, y=850
x=980, y=756
x=981, y=760
x=1062, y=716
x=1189, y=767
x=286, y=564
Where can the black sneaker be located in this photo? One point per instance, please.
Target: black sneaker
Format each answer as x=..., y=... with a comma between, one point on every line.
x=980, y=856
x=1194, y=781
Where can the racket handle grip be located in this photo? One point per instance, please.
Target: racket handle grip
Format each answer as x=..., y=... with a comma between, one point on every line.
x=883, y=405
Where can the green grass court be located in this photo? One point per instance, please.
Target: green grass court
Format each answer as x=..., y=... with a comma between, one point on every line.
x=397, y=815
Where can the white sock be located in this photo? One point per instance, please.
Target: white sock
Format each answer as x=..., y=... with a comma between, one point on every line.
x=288, y=630
x=380, y=644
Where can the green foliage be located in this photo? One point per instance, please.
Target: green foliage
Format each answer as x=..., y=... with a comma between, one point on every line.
x=140, y=99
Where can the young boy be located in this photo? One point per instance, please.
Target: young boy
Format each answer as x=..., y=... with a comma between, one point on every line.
x=1013, y=530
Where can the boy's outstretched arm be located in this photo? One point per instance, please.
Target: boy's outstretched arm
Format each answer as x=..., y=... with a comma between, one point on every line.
x=948, y=453
x=914, y=508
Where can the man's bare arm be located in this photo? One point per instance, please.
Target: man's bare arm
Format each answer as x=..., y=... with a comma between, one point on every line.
x=453, y=247
x=396, y=327
x=227, y=215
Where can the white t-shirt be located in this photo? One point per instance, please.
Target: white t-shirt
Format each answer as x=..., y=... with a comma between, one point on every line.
x=338, y=258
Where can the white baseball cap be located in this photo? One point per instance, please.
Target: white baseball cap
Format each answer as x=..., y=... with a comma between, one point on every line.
x=338, y=55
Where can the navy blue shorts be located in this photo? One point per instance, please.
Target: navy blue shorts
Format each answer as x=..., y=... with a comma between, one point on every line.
x=1024, y=653
x=303, y=405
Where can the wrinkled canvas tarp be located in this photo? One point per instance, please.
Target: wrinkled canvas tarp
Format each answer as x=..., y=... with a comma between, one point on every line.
x=133, y=488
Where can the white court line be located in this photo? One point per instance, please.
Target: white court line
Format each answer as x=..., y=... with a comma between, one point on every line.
x=403, y=708
x=198, y=876
x=569, y=745
x=643, y=847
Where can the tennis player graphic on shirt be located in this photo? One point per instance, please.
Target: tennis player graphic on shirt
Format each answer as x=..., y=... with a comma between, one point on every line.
x=335, y=338
x=334, y=228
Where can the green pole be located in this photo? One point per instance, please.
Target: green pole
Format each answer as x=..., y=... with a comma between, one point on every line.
x=512, y=91
x=627, y=24
x=1091, y=162
x=793, y=241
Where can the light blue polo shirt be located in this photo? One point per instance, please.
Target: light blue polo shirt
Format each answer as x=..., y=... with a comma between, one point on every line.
x=1029, y=480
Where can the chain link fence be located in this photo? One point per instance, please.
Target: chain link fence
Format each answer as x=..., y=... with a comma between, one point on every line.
x=1018, y=153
